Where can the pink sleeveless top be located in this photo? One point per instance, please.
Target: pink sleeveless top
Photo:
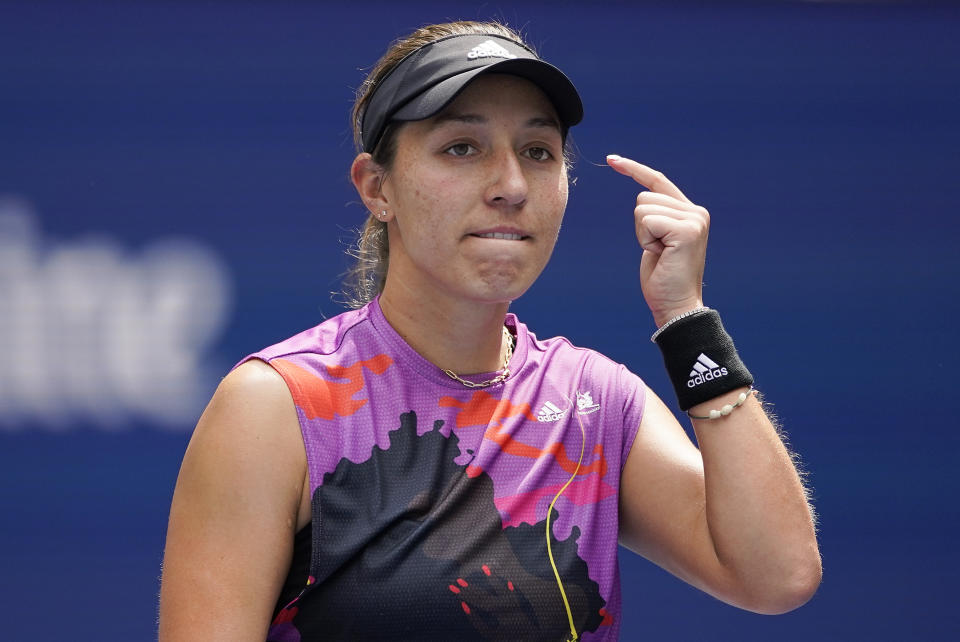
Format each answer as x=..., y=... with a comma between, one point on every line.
x=431, y=500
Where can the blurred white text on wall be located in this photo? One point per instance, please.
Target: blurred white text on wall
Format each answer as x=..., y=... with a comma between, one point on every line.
x=95, y=334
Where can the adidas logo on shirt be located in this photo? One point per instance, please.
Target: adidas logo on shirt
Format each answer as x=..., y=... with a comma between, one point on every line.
x=488, y=49
x=550, y=412
x=705, y=369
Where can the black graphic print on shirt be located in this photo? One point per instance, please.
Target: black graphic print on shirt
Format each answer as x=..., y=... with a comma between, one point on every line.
x=410, y=533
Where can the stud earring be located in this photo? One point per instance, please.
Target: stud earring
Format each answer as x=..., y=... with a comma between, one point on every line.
x=382, y=215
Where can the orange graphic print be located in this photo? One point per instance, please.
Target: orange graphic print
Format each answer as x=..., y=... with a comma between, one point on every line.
x=322, y=398
x=485, y=410
x=522, y=507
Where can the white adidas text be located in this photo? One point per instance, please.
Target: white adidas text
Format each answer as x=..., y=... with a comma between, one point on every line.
x=709, y=375
x=705, y=369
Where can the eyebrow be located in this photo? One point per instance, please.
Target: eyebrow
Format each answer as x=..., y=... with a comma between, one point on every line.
x=477, y=119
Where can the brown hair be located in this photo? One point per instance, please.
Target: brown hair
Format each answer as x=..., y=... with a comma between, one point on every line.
x=366, y=278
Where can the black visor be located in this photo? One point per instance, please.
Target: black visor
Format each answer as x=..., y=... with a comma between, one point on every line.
x=428, y=79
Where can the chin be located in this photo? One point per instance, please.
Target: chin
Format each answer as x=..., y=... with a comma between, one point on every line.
x=499, y=289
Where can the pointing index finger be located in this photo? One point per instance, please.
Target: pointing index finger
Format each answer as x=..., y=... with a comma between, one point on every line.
x=647, y=176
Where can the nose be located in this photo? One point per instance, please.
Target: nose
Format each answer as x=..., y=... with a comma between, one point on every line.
x=508, y=184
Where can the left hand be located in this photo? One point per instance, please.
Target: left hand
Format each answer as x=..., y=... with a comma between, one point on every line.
x=673, y=234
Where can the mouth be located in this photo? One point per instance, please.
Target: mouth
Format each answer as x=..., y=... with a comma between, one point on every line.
x=501, y=235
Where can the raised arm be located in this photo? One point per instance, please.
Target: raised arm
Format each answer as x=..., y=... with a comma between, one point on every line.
x=239, y=498
x=731, y=518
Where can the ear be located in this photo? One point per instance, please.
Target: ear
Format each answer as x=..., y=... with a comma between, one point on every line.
x=367, y=177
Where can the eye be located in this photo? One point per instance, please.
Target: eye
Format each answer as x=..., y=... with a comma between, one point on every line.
x=538, y=153
x=460, y=149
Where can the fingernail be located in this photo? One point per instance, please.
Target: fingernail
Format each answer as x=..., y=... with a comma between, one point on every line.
x=613, y=157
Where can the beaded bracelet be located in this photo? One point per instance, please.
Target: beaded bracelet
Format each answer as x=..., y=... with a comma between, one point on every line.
x=726, y=409
x=669, y=323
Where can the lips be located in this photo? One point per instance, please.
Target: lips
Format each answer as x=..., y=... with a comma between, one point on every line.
x=501, y=233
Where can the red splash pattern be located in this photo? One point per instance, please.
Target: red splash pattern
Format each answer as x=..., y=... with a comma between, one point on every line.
x=483, y=409
x=607, y=618
x=484, y=594
x=474, y=471
x=286, y=615
x=322, y=398
x=522, y=507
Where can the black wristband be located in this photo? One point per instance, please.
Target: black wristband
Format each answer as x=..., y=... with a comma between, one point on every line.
x=701, y=359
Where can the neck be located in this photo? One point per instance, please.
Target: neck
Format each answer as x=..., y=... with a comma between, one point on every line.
x=463, y=336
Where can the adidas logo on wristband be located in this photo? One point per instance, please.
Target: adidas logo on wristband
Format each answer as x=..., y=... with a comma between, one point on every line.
x=705, y=369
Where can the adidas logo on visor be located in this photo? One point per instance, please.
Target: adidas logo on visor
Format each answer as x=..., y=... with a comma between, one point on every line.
x=489, y=49
x=705, y=369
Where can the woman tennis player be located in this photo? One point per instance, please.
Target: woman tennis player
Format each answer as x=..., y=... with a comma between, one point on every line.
x=424, y=467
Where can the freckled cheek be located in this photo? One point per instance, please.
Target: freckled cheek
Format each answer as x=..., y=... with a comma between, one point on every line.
x=437, y=201
x=555, y=203
x=426, y=212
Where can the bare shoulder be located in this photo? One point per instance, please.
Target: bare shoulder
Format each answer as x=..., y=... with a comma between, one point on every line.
x=249, y=438
x=251, y=418
x=253, y=386
x=234, y=512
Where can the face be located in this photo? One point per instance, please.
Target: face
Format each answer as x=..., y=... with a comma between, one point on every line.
x=477, y=193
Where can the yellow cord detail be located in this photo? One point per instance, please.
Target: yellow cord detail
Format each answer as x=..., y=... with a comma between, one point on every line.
x=563, y=594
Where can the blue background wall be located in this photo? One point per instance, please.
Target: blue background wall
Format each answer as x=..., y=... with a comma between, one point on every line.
x=188, y=162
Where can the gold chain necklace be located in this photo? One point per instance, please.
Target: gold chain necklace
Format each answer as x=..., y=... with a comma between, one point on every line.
x=500, y=377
